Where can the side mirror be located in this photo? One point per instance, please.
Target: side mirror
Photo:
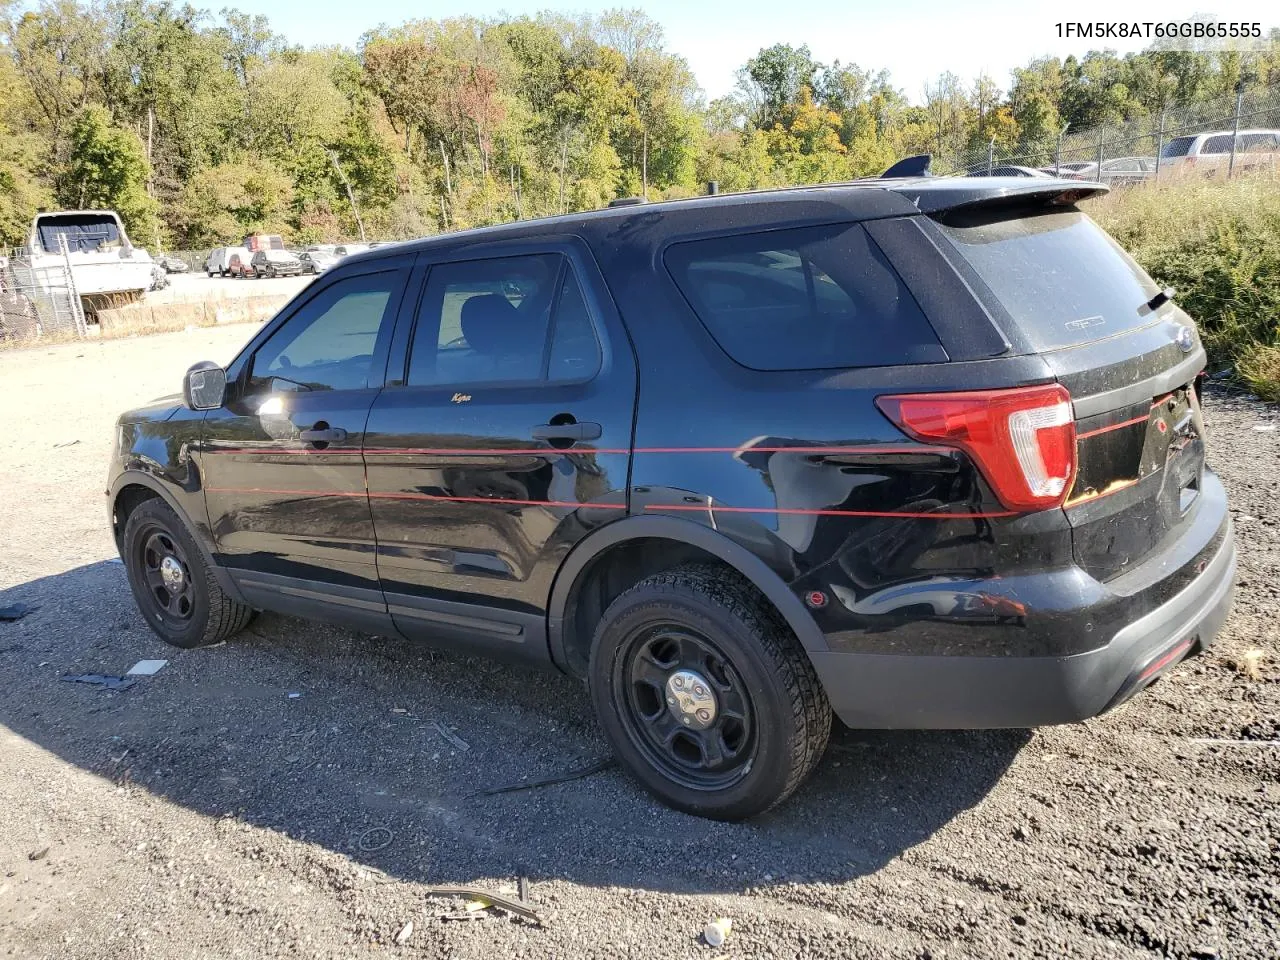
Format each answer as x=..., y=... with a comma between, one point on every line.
x=204, y=386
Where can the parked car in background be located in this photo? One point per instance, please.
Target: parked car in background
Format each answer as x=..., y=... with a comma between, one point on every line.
x=240, y=263
x=915, y=452
x=317, y=261
x=1117, y=172
x=173, y=264
x=1066, y=169
x=275, y=263
x=1210, y=153
x=346, y=249
x=219, y=262
x=1007, y=170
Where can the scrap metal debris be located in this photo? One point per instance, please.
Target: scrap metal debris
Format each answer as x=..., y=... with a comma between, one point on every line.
x=457, y=742
x=518, y=907
x=595, y=766
x=100, y=680
x=38, y=854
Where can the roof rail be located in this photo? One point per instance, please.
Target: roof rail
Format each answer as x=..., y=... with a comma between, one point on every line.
x=626, y=201
x=917, y=166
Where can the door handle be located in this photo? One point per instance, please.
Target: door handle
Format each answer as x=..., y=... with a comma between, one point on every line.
x=567, y=431
x=323, y=434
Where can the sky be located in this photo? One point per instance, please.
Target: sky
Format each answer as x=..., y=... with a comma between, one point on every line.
x=915, y=40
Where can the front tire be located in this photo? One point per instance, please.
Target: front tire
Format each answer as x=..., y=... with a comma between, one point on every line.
x=174, y=587
x=706, y=695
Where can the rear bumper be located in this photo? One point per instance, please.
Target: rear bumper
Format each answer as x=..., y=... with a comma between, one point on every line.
x=970, y=692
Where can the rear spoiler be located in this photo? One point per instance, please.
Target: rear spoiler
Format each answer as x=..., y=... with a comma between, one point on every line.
x=939, y=194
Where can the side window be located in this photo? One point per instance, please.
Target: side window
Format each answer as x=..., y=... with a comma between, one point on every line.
x=510, y=319
x=329, y=343
x=807, y=299
x=1218, y=144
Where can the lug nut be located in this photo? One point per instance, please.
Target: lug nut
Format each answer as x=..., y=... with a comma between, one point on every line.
x=699, y=689
x=687, y=721
x=704, y=715
x=678, y=681
x=671, y=700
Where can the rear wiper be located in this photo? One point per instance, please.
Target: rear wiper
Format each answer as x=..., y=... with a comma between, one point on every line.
x=1156, y=302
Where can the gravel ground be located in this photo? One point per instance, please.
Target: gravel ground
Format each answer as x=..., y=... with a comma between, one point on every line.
x=208, y=812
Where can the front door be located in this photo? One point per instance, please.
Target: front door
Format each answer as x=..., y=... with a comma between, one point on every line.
x=501, y=439
x=283, y=473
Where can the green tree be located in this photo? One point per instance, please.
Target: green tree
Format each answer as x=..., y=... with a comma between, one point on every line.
x=107, y=169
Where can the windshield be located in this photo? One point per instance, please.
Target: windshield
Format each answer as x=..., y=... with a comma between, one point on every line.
x=1059, y=275
x=84, y=232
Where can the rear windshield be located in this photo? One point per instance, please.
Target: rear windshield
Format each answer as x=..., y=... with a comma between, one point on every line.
x=1177, y=147
x=1058, y=274
x=812, y=298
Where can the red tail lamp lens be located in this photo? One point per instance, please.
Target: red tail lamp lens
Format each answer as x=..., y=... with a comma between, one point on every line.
x=1023, y=440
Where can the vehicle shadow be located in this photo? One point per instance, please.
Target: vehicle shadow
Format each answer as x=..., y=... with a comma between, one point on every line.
x=321, y=733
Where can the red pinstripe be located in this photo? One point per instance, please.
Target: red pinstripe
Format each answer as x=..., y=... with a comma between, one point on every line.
x=1115, y=426
x=829, y=513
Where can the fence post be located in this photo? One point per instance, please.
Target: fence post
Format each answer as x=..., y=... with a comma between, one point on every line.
x=1057, y=153
x=991, y=156
x=1160, y=141
x=1235, y=128
x=1101, y=139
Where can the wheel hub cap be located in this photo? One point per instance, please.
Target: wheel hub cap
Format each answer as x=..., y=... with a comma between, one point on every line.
x=171, y=573
x=690, y=700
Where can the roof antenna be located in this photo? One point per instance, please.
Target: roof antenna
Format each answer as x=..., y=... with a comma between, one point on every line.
x=910, y=167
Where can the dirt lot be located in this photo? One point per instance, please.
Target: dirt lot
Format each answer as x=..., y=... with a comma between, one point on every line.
x=208, y=812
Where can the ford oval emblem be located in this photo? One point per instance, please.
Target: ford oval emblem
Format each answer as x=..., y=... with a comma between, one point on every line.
x=1185, y=338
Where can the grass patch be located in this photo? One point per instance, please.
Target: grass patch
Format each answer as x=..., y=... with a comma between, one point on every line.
x=1217, y=243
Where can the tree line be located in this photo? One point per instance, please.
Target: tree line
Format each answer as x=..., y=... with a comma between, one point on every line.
x=200, y=127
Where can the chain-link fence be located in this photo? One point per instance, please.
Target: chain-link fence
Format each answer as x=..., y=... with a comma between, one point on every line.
x=38, y=297
x=1242, y=134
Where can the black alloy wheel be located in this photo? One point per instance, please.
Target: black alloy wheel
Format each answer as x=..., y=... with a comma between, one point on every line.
x=164, y=566
x=686, y=708
x=705, y=694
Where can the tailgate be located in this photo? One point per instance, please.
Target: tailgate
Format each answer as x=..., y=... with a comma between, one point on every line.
x=1140, y=451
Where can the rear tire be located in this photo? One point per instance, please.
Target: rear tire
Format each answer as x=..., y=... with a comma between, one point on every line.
x=706, y=696
x=174, y=587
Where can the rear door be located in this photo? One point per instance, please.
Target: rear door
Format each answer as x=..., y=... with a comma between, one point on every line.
x=501, y=439
x=1062, y=288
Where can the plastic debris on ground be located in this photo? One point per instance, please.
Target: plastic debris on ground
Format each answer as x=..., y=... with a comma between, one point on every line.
x=147, y=668
x=479, y=902
x=717, y=931
x=15, y=612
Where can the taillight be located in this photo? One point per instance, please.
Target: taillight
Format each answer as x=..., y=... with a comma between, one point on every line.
x=1023, y=440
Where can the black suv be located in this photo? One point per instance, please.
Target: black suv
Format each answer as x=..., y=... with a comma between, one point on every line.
x=916, y=452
